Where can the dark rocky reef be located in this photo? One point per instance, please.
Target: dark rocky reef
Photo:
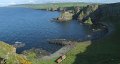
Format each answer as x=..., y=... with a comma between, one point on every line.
x=61, y=42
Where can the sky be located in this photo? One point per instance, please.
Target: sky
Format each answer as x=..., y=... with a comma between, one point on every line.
x=13, y=2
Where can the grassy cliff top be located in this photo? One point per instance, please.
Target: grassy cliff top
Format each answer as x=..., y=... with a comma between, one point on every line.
x=52, y=5
x=8, y=53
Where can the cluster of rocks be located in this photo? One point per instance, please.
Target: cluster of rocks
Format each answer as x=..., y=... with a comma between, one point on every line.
x=19, y=44
x=61, y=42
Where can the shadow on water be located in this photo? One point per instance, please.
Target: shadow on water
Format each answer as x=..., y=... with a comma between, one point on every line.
x=103, y=51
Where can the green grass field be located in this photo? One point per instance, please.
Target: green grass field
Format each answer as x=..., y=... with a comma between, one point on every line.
x=53, y=5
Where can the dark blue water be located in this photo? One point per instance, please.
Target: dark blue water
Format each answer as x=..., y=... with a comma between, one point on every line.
x=33, y=27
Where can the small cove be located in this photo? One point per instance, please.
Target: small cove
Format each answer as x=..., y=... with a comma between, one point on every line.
x=34, y=28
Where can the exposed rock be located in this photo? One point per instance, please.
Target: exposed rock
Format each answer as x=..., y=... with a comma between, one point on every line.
x=89, y=21
x=65, y=16
x=19, y=44
x=61, y=42
x=87, y=11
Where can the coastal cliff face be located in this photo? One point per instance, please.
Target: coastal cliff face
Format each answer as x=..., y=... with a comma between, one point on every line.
x=8, y=55
x=79, y=13
x=86, y=11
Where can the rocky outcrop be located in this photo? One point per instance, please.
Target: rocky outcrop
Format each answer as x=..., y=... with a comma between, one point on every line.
x=88, y=21
x=65, y=16
x=86, y=12
x=19, y=44
x=78, y=13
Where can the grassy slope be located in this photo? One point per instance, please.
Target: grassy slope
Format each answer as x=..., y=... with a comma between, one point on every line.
x=8, y=52
x=79, y=49
x=105, y=50
x=5, y=50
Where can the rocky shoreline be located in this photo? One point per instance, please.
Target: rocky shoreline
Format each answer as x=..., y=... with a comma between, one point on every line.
x=42, y=54
x=38, y=52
